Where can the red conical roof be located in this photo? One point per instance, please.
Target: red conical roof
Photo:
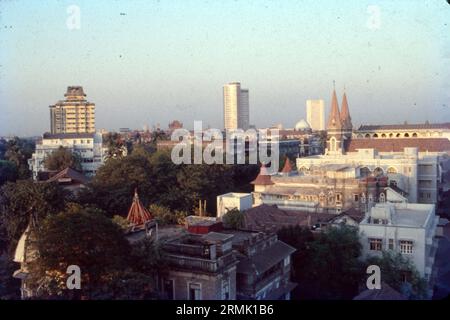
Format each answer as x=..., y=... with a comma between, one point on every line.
x=345, y=114
x=334, y=121
x=287, y=166
x=263, y=178
x=137, y=214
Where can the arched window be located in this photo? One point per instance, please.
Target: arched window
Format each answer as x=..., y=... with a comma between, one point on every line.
x=378, y=172
x=382, y=197
x=383, y=135
x=391, y=135
x=406, y=135
x=414, y=135
x=375, y=135
x=359, y=136
x=391, y=170
x=367, y=136
x=392, y=183
x=398, y=135
x=333, y=144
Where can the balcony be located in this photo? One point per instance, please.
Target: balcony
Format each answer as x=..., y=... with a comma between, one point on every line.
x=200, y=264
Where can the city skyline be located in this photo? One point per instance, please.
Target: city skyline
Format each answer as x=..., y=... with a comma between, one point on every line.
x=284, y=53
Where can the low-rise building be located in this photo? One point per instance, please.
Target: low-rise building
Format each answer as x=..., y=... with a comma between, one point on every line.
x=264, y=268
x=326, y=188
x=408, y=228
x=200, y=267
x=88, y=146
x=233, y=200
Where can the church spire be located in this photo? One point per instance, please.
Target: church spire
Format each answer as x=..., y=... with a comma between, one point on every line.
x=334, y=121
x=345, y=114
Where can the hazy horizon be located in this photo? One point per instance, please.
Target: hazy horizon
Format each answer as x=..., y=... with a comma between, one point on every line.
x=144, y=63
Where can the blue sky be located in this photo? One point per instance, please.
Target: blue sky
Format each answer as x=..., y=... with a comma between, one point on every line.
x=149, y=62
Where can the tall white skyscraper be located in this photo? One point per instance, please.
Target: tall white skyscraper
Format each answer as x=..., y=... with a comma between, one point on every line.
x=235, y=106
x=315, y=114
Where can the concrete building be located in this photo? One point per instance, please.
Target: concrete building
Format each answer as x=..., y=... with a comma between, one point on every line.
x=74, y=114
x=200, y=267
x=236, y=106
x=233, y=200
x=408, y=228
x=315, y=114
x=88, y=146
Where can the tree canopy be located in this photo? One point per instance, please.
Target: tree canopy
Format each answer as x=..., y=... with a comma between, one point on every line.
x=17, y=202
x=401, y=274
x=62, y=158
x=159, y=181
x=326, y=265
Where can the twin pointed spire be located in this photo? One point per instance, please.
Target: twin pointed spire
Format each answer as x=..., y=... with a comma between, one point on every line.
x=339, y=120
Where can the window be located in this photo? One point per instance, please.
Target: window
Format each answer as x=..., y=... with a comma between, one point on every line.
x=391, y=170
x=406, y=246
x=287, y=261
x=225, y=289
x=169, y=289
x=194, y=291
x=391, y=244
x=376, y=244
x=382, y=197
x=355, y=197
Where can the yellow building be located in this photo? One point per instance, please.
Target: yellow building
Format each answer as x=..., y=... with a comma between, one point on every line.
x=74, y=114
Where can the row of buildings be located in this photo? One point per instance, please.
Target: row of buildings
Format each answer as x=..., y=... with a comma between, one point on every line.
x=387, y=185
x=203, y=260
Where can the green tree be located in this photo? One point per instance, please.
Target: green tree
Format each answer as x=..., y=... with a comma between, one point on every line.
x=19, y=151
x=83, y=237
x=327, y=265
x=8, y=172
x=115, y=145
x=233, y=219
x=395, y=268
x=336, y=269
x=298, y=237
x=18, y=200
x=61, y=159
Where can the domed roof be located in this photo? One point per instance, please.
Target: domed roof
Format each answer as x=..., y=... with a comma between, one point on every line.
x=302, y=125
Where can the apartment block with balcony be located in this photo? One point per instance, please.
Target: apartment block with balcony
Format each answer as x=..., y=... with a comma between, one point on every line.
x=200, y=267
x=74, y=114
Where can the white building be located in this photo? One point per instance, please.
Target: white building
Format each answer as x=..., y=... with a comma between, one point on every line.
x=233, y=200
x=416, y=173
x=235, y=106
x=88, y=146
x=315, y=114
x=408, y=228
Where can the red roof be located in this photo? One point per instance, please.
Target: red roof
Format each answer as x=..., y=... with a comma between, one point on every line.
x=287, y=166
x=397, y=145
x=69, y=173
x=137, y=214
x=263, y=178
